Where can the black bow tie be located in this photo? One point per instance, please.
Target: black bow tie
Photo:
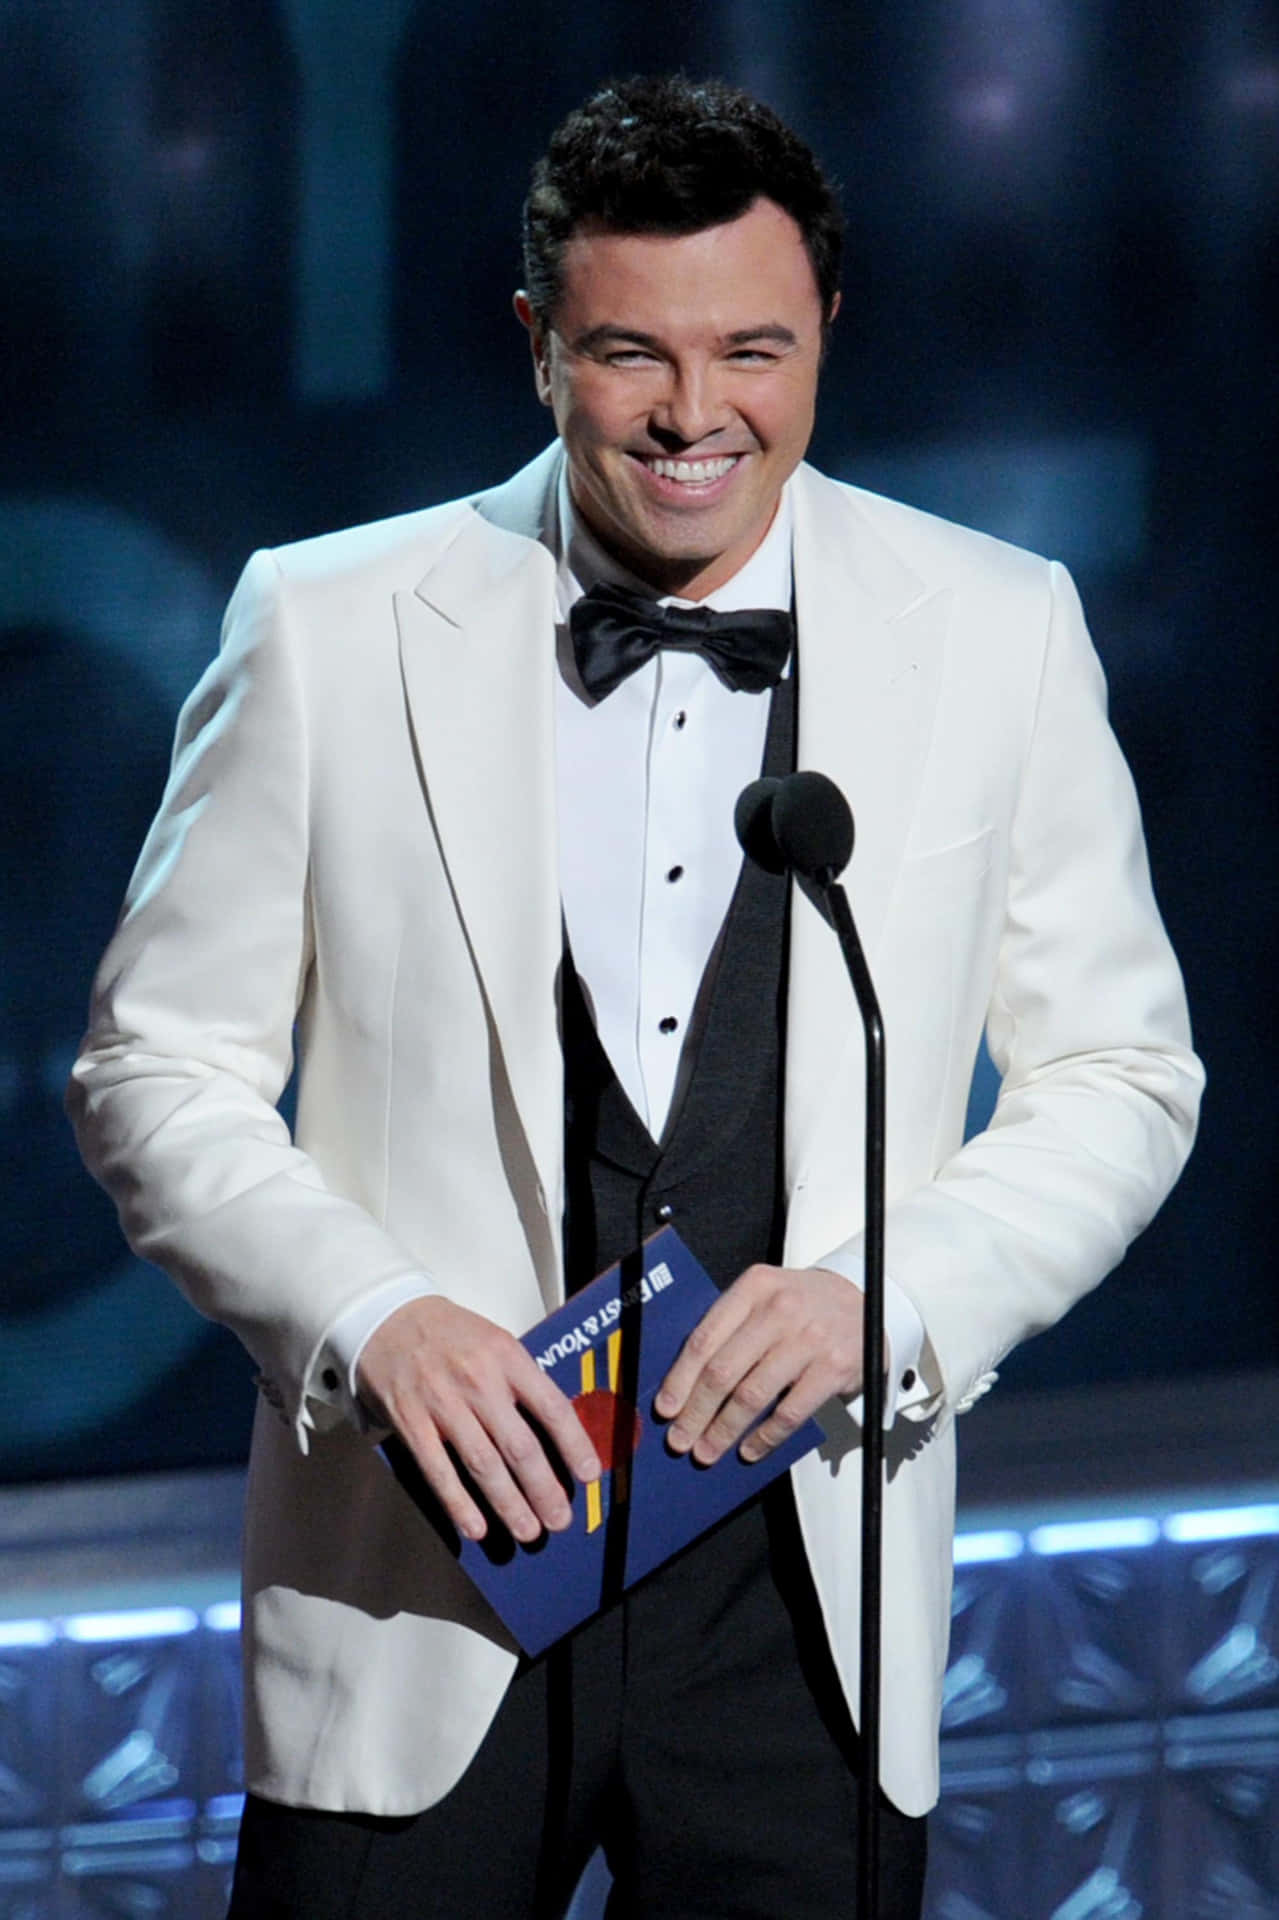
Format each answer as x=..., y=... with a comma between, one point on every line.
x=615, y=631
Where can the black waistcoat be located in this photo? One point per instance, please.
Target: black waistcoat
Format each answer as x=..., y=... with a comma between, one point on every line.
x=718, y=1176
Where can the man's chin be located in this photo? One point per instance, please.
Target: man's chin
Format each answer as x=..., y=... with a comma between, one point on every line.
x=671, y=548
x=671, y=572
x=662, y=557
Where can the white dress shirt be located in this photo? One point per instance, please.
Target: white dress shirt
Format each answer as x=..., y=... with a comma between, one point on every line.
x=647, y=779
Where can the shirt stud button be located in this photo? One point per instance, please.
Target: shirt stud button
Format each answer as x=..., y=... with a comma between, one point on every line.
x=330, y=1378
x=908, y=1379
x=668, y=1025
x=675, y=873
x=680, y=721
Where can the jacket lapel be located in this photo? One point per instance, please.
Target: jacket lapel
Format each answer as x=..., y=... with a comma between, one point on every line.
x=477, y=648
x=871, y=637
x=478, y=653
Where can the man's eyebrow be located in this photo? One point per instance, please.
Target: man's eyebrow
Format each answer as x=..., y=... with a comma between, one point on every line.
x=610, y=330
x=770, y=330
x=632, y=336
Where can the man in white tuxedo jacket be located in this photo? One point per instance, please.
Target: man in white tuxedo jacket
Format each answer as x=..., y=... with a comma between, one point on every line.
x=390, y=795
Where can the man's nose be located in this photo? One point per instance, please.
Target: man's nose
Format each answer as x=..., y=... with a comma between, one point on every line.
x=691, y=409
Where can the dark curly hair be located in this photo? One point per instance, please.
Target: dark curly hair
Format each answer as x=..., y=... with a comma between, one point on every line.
x=665, y=154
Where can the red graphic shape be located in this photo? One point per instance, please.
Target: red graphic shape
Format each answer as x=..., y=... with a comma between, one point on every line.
x=613, y=1424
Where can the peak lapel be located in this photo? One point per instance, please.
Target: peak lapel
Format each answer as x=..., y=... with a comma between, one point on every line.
x=477, y=647
x=871, y=637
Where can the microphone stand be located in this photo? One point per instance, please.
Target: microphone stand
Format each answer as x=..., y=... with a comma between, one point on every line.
x=803, y=825
x=841, y=917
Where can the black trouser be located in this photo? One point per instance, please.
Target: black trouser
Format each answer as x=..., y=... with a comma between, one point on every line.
x=696, y=1730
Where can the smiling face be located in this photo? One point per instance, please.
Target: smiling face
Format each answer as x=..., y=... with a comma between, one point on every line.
x=682, y=373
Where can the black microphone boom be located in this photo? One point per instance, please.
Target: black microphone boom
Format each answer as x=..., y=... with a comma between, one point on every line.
x=803, y=825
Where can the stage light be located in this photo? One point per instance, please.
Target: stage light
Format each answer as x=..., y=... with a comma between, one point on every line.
x=27, y=1633
x=223, y=1616
x=979, y=1549
x=1222, y=1523
x=1094, y=1536
x=135, y=1623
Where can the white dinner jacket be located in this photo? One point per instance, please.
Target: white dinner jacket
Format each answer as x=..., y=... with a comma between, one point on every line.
x=358, y=839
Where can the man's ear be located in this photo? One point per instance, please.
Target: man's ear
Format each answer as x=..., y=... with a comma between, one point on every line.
x=828, y=324
x=538, y=343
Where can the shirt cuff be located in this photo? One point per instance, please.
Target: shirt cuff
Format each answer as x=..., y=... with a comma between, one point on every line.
x=904, y=1386
x=332, y=1380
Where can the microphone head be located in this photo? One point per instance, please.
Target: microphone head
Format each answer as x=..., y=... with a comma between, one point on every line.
x=811, y=826
x=753, y=819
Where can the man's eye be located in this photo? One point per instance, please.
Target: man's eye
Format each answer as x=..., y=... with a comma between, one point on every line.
x=632, y=357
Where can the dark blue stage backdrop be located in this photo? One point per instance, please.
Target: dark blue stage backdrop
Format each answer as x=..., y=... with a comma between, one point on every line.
x=258, y=260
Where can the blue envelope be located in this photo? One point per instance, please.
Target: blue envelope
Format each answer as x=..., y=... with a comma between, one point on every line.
x=608, y=1348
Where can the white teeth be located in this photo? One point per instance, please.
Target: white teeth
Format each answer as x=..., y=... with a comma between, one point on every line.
x=693, y=472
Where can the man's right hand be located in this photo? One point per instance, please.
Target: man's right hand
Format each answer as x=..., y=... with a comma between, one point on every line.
x=444, y=1377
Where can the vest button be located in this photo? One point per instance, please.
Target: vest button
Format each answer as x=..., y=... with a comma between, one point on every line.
x=665, y=1212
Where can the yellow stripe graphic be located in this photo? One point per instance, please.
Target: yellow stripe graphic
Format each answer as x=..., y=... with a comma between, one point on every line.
x=594, y=1498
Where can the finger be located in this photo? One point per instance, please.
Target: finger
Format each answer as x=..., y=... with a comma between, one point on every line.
x=432, y=1456
x=799, y=1403
x=531, y=1472
x=507, y=1468
x=556, y=1414
x=753, y=1397
x=482, y=1460
x=717, y=1325
x=719, y=1380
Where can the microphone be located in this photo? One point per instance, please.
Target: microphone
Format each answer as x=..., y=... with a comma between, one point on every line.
x=802, y=825
x=753, y=821
x=813, y=827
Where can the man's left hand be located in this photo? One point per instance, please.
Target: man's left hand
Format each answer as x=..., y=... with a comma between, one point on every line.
x=776, y=1330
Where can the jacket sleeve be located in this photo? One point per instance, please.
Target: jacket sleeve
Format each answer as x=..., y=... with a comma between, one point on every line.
x=1088, y=1027
x=189, y=1043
